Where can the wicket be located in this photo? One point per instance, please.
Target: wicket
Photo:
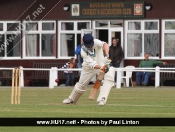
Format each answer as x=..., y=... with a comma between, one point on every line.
x=16, y=86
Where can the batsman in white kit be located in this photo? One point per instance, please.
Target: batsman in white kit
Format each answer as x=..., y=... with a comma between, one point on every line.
x=95, y=55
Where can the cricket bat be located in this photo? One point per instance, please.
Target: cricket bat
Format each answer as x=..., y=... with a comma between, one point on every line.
x=97, y=84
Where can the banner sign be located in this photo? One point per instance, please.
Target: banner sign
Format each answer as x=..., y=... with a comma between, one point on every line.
x=87, y=122
x=107, y=9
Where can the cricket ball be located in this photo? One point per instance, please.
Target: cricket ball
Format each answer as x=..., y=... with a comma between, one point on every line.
x=56, y=80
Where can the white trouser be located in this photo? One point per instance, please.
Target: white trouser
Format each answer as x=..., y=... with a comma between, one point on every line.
x=84, y=80
x=87, y=75
x=80, y=87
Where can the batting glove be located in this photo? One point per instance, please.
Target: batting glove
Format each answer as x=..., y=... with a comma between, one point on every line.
x=106, y=69
x=107, y=61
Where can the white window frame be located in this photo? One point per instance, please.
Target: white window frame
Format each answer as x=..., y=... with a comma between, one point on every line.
x=5, y=32
x=163, y=34
x=39, y=32
x=74, y=31
x=142, y=31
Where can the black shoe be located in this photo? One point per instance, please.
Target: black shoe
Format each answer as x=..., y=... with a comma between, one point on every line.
x=137, y=85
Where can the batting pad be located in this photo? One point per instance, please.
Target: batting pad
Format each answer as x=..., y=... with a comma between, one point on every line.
x=107, y=85
x=78, y=90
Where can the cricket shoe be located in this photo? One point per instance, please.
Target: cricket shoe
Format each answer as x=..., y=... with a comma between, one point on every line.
x=102, y=102
x=68, y=101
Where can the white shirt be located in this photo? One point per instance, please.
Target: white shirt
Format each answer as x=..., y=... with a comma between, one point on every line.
x=89, y=61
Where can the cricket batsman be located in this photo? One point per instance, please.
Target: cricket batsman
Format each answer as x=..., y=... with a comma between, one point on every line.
x=93, y=61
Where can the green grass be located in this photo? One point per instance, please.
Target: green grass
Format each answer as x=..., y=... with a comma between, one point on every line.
x=125, y=102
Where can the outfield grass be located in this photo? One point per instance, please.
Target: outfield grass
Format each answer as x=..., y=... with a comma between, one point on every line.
x=125, y=102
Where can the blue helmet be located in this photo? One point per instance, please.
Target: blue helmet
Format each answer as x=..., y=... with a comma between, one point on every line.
x=88, y=40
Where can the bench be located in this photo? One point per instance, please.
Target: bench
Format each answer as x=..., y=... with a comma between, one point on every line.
x=6, y=76
x=165, y=76
x=39, y=76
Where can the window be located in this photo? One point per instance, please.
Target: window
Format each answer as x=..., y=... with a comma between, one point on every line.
x=48, y=26
x=31, y=26
x=116, y=23
x=101, y=24
x=134, y=25
x=39, y=39
x=10, y=39
x=1, y=26
x=69, y=37
x=141, y=37
x=168, y=39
